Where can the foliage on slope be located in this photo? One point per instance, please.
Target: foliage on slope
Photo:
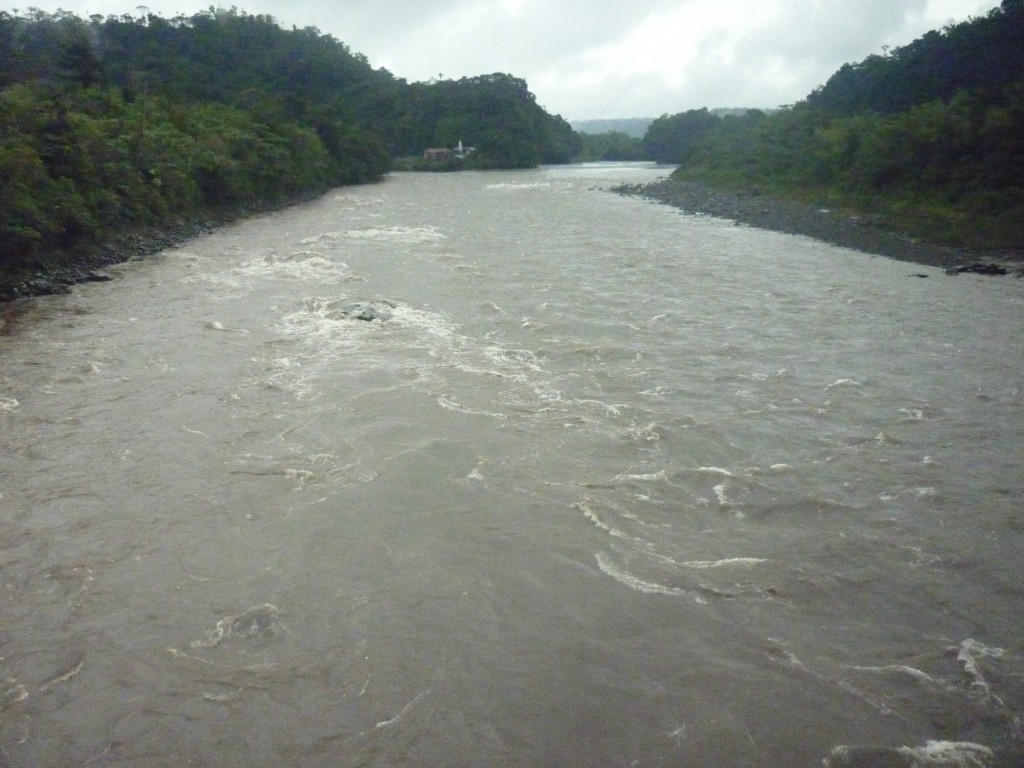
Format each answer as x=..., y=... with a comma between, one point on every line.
x=609, y=146
x=928, y=139
x=123, y=122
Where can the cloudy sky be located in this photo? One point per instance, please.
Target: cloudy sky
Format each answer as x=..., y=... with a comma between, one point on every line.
x=588, y=59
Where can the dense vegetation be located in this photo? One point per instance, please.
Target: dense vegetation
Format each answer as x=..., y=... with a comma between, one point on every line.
x=120, y=123
x=928, y=139
x=634, y=127
x=611, y=146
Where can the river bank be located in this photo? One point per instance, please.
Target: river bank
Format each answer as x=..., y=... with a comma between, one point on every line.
x=858, y=233
x=64, y=269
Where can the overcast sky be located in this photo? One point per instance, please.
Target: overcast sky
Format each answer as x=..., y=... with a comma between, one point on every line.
x=586, y=59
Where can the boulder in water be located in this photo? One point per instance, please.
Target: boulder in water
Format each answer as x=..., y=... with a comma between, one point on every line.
x=368, y=310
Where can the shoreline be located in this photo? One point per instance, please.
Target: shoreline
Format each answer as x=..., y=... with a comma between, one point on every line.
x=65, y=269
x=856, y=233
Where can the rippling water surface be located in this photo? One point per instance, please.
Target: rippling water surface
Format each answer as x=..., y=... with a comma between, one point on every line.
x=506, y=470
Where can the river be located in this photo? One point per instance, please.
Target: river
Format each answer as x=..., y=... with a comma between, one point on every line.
x=503, y=469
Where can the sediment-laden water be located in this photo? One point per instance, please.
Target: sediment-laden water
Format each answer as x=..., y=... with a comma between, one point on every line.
x=502, y=469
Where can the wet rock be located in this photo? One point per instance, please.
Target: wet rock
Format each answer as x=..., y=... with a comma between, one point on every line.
x=258, y=621
x=979, y=268
x=368, y=310
x=44, y=286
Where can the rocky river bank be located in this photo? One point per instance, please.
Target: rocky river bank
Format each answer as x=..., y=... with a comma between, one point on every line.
x=59, y=273
x=61, y=270
x=856, y=232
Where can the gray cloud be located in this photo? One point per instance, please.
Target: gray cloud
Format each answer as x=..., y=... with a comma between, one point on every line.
x=606, y=58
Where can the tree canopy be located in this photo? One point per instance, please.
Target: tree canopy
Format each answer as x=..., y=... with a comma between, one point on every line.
x=124, y=121
x=930, y=137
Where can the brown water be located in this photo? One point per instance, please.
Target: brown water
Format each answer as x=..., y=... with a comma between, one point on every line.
x=602, y=484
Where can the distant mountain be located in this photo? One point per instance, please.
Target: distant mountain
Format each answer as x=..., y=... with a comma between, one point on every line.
x=631, y=126
x=636, y=127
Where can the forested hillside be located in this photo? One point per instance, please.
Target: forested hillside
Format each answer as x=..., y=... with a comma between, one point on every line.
x=634, y=127
x=928, y=139
x=610, y=146
x=110, y=125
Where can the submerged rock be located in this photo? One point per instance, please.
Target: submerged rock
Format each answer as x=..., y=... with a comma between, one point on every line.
x=258, y=621
x=368, y=310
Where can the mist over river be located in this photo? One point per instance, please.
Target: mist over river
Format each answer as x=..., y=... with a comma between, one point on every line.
x=502, y=469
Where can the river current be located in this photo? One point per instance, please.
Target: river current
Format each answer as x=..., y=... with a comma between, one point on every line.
x=503, y=469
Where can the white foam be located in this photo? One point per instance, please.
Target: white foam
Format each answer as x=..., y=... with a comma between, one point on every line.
x=714, y=471
x=703, y=564
x=658, y=391
x=934, y=754
x=658, y=476
x=647, y=587
x=8, y=404
x=300, y=475
x=608, y=409
x=522, y=357
x=902, y=669
x=328, y=331
x=950, y=754
x=843, y=383
x=410, y=235
x=649, y=433
x=969, y=652
x=451, y=405
x=328, y=236
x=720, y=493
x=260, y=620
x=307, y=266
x=532, y=185
x=324, y=327
x=15, y=694
x=403, y=711
x=588, y=513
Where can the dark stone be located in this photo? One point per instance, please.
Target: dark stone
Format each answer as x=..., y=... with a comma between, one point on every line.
x=979, y=268
x=368, y=310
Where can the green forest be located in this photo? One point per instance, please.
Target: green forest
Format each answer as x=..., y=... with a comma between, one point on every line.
x=112, y=125
x=927, y=139
x=118, y=125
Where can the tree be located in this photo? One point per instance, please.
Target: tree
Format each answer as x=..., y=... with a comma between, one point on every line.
x=670, y=138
